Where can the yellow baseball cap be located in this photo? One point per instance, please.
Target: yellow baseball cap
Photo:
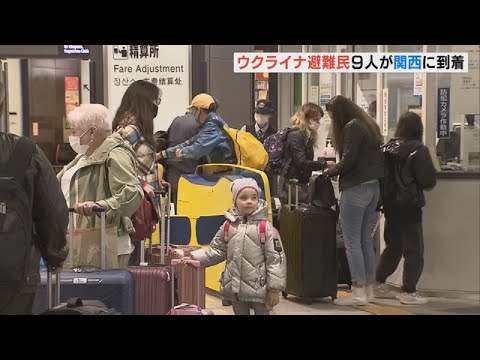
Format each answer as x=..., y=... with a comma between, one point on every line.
x=202, y=101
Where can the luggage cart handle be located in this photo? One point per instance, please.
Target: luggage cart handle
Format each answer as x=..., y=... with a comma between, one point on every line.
x=164, y=213
x=194, y=263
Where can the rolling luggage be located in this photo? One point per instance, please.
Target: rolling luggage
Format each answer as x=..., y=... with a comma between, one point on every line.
x=185, y=276
x=152, y=280
x=186, y=308
x=115, y=288
x=309, y=239
x=74, y=305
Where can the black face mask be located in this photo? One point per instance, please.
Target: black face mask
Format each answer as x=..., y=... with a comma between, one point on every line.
x=155, y=110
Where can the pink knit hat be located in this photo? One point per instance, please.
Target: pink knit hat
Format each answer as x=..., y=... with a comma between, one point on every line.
x=243, y=183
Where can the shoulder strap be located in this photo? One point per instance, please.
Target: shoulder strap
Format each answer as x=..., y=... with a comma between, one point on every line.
x=262, y=229
x=226, y=228
x=20, y=158
x=251, y=129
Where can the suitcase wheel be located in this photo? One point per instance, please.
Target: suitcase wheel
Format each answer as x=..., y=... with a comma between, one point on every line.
x=308, y=301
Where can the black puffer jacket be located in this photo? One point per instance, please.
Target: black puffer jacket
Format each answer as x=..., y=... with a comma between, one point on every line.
x=408, y=171
x=49, y=210
x=299, y=162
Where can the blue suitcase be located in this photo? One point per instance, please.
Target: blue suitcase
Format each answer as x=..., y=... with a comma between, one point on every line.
x=115, y=288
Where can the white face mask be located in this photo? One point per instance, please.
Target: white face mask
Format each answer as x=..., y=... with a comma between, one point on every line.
x=75, y=144
x=314, y=126
x=262, y=119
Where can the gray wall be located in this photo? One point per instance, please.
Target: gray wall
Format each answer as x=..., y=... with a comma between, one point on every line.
x=28, y=51
x=452, y=237
x=212, y=72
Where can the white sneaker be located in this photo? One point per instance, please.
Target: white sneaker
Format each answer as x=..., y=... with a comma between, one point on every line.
x=412, y=299
x=357, y=297
x=369, y=290
x=382, y=291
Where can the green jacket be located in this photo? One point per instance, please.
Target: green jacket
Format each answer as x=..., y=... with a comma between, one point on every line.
x=121, y=194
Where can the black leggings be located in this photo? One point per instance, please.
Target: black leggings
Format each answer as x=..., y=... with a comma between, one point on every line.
x=402, y=239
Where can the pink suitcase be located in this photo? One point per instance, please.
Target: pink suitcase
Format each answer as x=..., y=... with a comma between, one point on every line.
x=187, y=309
x=185, y=275
x=152, y=289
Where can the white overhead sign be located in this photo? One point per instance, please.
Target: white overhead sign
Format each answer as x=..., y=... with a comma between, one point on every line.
x=167, y=66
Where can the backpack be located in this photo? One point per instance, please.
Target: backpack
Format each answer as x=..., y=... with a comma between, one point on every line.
x=144, y=218
x=321, y=192
x=262, y=230
x=399, y=185
x=275, y=147
x=77, y=306
x=16, y=229
x=248, y=150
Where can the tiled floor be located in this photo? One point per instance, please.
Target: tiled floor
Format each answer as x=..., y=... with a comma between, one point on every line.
x=293, y=306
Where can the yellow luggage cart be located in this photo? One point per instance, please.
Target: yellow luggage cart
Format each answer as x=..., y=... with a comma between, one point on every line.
x=205, y=196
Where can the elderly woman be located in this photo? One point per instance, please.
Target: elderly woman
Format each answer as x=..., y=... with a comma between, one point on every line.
x=103, y=174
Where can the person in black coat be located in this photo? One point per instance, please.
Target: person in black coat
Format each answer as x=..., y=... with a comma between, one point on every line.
x=182, y=128
x=408, y=171
x=301, y=139
x=44, y=226
x=263, y=127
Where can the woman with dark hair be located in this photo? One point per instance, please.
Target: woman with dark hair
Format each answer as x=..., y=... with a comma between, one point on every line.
x=357, y=140
x=134, y=122
x=408, y=171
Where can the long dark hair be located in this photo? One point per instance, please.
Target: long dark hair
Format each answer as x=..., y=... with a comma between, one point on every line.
x=409, y=126
x=136, y=108
x=344, y=110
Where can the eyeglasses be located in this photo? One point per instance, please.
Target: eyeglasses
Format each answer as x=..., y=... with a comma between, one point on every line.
x=157, y=101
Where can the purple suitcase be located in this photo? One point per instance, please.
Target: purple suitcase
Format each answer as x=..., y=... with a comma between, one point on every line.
x=152, y=281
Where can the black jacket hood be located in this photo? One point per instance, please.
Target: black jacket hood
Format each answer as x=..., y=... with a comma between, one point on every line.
x=401, y=148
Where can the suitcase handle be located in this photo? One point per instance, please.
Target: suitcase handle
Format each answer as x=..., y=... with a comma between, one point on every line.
x=50, y=298
x=293, y=182
x=194, y=263
x=103, y=235
x=164, y=211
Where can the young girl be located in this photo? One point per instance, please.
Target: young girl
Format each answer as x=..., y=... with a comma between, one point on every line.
x=408, y=171
x=256, y=268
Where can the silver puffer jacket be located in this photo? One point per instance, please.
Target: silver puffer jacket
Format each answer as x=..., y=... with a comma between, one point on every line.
x=251, y=269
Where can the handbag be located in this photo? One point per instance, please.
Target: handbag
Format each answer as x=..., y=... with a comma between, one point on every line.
x=86, y=248
x=144, y=219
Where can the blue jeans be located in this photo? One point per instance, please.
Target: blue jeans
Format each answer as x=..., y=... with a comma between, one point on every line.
x=357, y=211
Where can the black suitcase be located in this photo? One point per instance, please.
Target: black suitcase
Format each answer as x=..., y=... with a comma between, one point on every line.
x=309, y=240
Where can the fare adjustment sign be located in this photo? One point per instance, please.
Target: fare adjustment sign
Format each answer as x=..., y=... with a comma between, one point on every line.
x=166, y=66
